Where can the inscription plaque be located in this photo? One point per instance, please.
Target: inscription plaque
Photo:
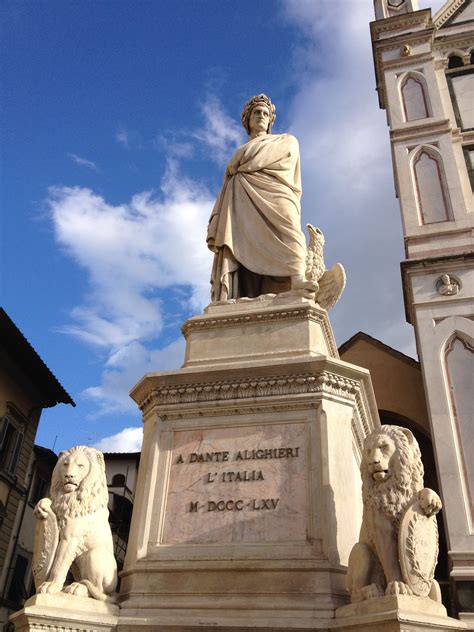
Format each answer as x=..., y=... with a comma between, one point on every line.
x=237, y=485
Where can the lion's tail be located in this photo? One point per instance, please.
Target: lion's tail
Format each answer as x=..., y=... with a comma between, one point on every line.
x=96, y=593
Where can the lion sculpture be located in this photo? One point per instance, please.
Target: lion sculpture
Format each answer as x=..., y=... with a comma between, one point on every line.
x=73, y=531
x=398, y=543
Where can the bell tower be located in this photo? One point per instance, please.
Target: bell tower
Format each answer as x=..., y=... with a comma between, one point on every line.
x=393, y=8
x=424, y=67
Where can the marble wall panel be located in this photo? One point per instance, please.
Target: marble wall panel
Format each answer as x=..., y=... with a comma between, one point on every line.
x=238, y=485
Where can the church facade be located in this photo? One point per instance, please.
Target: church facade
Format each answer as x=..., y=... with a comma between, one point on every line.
x=424, y=68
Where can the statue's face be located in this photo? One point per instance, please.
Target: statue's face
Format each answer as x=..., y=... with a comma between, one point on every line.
x=378, y=452
x=74, y=468
x=259, y=119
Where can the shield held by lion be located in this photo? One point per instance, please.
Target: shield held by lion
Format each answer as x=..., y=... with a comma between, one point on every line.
x=73, y=531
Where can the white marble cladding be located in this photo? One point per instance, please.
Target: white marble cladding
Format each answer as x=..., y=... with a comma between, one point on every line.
x=445, y=329
x=429, y=132
x=238, y=485
x=258, y=330
x=65, y=613
x=245, y=475
x=431, y=177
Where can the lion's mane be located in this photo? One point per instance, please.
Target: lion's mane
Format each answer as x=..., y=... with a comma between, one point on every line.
x=392, y=496
x=91, y=494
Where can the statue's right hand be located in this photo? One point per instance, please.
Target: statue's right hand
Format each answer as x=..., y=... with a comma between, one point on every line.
x=230, y=170
x=43, y=508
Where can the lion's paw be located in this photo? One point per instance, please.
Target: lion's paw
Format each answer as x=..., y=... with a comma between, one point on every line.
x=430, y=502
x=78, y=589
x=370, y=592
x=50, y=588
x=43, y=508
x=398, y=588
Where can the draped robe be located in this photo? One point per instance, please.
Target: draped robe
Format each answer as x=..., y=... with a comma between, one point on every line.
x=255, y=224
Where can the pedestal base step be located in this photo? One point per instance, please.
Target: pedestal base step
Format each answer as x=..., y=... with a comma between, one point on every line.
x=395, y=614
x=65, y=613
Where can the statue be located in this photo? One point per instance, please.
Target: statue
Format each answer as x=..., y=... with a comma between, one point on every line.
x=447, y=285
x=255, y=226
x=397, y=550
x=73, y=531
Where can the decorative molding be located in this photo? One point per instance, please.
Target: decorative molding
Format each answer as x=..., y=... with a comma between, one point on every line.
x=405, y=20
x=406, y=63
x=447, y=12
x=414, y=130
x=448, y=45
x=227, y=392
x=244, y=388
x=306, y=313
x=231, y=410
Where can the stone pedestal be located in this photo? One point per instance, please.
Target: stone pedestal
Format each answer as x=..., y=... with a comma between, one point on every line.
x=395, y=614
x=248, y=497
x=65, y=613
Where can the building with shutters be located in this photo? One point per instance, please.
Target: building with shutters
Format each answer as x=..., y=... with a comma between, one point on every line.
x=26, y=387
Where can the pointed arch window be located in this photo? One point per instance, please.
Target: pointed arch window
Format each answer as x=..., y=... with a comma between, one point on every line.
x=430, y=185
x=414, y=97
x=459, y=364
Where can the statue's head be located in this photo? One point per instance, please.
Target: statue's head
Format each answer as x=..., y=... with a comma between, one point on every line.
x=78, y=484
x=260, y=100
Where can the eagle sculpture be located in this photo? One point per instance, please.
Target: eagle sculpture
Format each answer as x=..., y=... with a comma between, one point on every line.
x=329, y=284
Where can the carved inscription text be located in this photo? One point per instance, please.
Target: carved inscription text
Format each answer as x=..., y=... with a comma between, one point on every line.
x=237, y=484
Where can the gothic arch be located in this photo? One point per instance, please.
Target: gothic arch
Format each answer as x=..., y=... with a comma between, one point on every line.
x=414, y=96
x=429, y=181
x=458, y=368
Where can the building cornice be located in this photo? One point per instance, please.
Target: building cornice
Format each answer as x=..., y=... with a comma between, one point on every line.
x=446, y=12
x=418, y=130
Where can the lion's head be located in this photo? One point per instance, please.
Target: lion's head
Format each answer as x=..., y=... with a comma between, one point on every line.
x=78, y=484
x=392, y=471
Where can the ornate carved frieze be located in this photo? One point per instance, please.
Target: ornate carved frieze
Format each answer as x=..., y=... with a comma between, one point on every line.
x=456, y=41
x=243, y=388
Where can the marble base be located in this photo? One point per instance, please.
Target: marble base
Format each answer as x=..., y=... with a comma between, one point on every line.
x=468, y=619
x=268, y=328
x=65, y=613
x=395, y=614
x=248, y=496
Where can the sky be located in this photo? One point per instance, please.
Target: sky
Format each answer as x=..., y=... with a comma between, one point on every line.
x=118, y=119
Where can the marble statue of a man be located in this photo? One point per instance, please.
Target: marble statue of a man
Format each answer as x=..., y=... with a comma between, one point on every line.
x=255, y=227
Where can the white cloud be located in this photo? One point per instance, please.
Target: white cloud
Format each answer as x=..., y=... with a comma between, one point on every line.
x=127, y=440
x=122, y=137
x=83, y=162
x=130, y=252
x=220, y=133
x=174, y=146
x=348, y=188
x=123, y=370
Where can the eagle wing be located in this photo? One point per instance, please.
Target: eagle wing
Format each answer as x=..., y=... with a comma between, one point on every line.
x=331, y=286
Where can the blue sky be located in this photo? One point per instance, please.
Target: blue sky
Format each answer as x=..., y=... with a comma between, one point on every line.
x=118, y=119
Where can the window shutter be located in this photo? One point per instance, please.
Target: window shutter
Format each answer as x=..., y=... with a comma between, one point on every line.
x=16, y=452
x=4, y=423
